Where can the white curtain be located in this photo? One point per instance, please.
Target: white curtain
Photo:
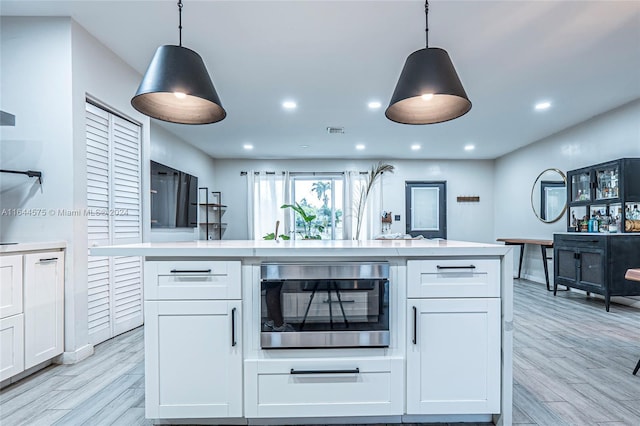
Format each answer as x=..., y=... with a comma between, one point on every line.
x=266, y=192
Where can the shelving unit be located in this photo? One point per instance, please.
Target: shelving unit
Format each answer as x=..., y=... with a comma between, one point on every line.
x=211, y=210
x=607, y=189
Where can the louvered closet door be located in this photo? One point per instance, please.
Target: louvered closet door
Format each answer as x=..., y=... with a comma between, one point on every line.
x=114, y=198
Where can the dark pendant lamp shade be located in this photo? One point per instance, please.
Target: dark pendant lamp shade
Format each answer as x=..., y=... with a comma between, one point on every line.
x=428, y=91
x=177, y=88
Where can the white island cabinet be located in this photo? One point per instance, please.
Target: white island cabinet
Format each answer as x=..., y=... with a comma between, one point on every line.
x=448, y=359
x=193, y=345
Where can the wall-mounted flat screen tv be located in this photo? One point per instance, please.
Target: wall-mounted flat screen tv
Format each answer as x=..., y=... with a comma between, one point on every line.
x=174, y=198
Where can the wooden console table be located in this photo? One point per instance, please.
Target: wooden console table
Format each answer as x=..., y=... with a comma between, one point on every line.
x=544, y=245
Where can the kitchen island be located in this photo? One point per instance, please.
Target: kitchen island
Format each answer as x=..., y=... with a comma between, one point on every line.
x=448, y=357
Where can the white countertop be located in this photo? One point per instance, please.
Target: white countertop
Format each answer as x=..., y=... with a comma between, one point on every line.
x=49, y=245
x=304, y=248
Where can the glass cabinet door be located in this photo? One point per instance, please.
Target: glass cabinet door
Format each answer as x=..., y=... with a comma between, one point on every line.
x=607, y=182
x=580, y=187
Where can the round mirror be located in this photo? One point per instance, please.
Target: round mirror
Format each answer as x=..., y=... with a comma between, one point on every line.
x=549, y=195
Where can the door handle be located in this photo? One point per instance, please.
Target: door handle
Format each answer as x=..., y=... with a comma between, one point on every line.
x=233, y=327
x=415, y=326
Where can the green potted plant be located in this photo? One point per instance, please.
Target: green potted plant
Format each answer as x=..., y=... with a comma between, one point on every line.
x=311, y=230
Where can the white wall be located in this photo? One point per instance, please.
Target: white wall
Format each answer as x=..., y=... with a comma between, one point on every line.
x=36, y=87
x=171, y=151
x=465, y=221
x=613, y=135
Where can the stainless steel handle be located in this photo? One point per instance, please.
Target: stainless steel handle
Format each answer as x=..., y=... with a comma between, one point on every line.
x=415, y=326
x=354, y=371
x=338, y=301
x=456, y=267
x=233, y=327
x=190, y=271
x=48, y=259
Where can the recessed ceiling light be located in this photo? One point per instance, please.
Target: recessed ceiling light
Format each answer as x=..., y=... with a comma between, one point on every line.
x=540, y=106
x=289, y=105
x=304, y=146
x=360, y=147
x=415, y=147
x=469, y=147
x=374, y=105
x=247, y=146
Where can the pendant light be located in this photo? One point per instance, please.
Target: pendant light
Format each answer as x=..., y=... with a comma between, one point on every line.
x=428, y=90
x=177, y=87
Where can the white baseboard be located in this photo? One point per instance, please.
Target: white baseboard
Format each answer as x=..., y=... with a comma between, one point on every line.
x=75, y=356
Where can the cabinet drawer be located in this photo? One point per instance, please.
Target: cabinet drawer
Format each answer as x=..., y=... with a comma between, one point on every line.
x=453, y=277
x=10, y=286
x=321, y=388
x=184, y=280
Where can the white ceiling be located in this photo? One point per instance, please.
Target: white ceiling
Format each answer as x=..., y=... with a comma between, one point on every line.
x=333, y=57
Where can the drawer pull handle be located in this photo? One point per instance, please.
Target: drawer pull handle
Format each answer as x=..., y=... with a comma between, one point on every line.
x=233, y=327
x=338, y=301
x=415, y=326
x=190, y=271
x=48, y=259
x=354, y=371
x=456, y=267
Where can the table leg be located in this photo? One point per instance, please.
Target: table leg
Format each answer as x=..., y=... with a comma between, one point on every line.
x=544, y=264
x=521, y=256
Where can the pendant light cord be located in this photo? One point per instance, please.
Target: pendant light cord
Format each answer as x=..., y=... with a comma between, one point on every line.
x=180, y=20
x=426, y=18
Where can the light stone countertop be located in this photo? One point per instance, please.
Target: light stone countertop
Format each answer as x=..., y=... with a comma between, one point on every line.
x=304, y=248
x=38, y=246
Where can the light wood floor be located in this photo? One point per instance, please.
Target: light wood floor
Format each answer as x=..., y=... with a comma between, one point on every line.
x=572, y=366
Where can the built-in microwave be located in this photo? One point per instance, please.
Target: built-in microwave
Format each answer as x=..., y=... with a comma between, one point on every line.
x=314, y=305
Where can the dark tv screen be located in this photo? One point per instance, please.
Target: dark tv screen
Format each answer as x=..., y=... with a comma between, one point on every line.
x=174, y=198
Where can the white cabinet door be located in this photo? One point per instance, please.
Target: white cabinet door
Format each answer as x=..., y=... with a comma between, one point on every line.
x=453, y=356
x=11, y=346
x=193, y=355
x=44, y=306
x=10, y=285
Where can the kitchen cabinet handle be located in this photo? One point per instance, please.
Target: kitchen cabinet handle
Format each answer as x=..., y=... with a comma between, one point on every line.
x=48, y=259
x=354, y=371
x=338, y=301
x=415, y=326
x=233, y=327
x=456, y=267
x=190, y=271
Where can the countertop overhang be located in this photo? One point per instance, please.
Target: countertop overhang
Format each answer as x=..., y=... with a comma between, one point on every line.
x=303, y=248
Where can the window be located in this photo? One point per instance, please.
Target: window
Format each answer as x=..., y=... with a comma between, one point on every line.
x=426, y=209
x=321, y=197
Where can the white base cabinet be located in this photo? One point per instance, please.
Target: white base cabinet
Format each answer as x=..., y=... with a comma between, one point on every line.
x=453, y=356
x=11, y=346
x=43, y=307
x=193, y=354
x=31, y=310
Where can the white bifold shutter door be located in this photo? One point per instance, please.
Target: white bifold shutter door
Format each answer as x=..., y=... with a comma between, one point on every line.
x=114, y=217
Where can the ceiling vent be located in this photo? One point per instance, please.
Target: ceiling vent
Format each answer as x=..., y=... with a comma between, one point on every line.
x=336, y=130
